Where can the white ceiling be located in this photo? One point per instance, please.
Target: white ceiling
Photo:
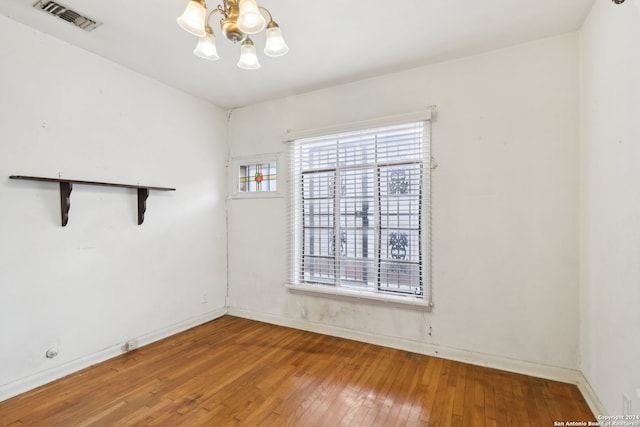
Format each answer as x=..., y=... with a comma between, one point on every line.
x=331, y=41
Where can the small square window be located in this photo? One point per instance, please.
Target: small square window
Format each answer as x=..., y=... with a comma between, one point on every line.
x=257, y=177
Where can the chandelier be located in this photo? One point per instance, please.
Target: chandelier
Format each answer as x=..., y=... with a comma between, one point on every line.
x=240, y=18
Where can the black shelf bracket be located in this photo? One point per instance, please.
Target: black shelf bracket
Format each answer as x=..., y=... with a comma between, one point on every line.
x=143, y=195
x=66, y=186
x=65, y=201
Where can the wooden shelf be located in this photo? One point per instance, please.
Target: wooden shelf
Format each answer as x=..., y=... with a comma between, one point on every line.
x=66, y=186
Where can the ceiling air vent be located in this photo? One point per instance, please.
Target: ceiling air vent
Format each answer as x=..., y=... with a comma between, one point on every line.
x=69, y=15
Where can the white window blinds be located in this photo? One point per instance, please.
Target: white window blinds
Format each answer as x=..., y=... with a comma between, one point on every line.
x=359, y=212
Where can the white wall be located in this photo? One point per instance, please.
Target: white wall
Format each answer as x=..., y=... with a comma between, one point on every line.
x=88, y=287
x=505, y=194
x=610, y=203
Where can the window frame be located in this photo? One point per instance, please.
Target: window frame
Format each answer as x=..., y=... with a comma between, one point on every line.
x=423, y=301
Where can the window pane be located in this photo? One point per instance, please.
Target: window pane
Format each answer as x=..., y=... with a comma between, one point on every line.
x=318, y=156
x=358, y=273
x=318, y=185
x=258, y=177
x=358, y=150
x=400, y=244
x=319, y=241
x=400, y=181
x=358, y=243
x=400, y=277
x=318, y=213
x=400, y=213
x=356, y=182
x=400, y=143
x=318, y=269
x=356, y=212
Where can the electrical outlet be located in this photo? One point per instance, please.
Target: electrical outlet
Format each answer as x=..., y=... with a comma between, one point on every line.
x=626, y=405
x=130, y=345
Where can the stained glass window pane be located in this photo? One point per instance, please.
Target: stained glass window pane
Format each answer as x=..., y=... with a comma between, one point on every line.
x=257, y=177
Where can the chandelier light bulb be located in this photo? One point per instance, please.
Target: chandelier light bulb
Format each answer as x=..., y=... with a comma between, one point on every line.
x=193, y=18
x=250, y=20
x=275, y=42
x=206, y=47
x=248, y=58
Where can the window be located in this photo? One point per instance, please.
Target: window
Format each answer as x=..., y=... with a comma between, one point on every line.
x=258, y=177
x=360, y=210
x=255, y=177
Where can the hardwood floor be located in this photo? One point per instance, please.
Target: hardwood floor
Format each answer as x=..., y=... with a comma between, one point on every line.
x=234, y=371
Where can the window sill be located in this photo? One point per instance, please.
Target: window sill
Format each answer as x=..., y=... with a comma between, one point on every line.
x=257, y=195
x=410, y=302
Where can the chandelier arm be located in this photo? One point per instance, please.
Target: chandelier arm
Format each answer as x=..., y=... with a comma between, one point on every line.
x=217, y=9
x=268, y=13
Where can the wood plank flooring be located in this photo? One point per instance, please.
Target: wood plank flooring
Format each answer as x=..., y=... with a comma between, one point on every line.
x=234, y=371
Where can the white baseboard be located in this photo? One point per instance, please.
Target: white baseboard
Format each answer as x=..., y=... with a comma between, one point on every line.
x=491, y=361
x=590, y=396
x=28, y=383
